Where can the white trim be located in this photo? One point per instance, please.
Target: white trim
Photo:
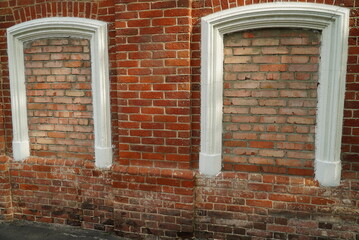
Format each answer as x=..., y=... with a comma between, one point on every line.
x=333, y=21
x=93, y=30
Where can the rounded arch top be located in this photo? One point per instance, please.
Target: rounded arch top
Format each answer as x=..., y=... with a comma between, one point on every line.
x=277, y=14
x=72, y=8
x=57, y=26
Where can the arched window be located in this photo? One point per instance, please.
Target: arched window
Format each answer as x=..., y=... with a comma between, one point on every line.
x=332, y=21
x=93, y=30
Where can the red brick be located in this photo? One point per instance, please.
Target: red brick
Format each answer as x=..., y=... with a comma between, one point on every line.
x=246, y=51
x=260, y=187
x=273, y=68
x=150, y=13
x=301, y=120
x=266, y=59
x=170, y=200
x=152, y=95
x=138, y=23
x=305, y=50
x=259, y=203
x=138, y=6
x=275, y=50
x=164, y=22
x=303, y=68
x=29, y=187
x=176, y=12
x=301, y=172
x=261, y=144
x=282, y=197
x=294, y=59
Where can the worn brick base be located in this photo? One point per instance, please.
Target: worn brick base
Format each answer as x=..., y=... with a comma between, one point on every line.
x=261, y=206
x=6, y=209
x=132, y=202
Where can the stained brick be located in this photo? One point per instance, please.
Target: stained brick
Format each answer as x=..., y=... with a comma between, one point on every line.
x=56, y=93
x=246, y=51
x=270, y=90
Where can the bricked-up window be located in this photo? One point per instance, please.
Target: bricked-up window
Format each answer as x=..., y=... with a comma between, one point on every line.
x=270, y=99
x=59, y=99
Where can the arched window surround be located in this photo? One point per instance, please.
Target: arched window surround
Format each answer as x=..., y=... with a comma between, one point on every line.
x=332, y=21
x=93, y=30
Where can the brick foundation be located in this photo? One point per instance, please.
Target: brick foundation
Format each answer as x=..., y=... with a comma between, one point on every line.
x=261, y=206
x=6, y=204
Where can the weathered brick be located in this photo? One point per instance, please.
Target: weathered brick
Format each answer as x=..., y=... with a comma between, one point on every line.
x=59, y=93
x=271, y=91
x=305, y=50
x=143, y=195
x=246, y=51
x=265, y=41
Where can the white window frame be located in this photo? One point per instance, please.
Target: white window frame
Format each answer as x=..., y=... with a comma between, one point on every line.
x=93, y=30
x=333, y=22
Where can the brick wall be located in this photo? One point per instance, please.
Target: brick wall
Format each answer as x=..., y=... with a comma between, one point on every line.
x=350, y=140
x=153, y=189
x=244, y=205
x=154, y=83
x=270, y=83
x=154, y=182
x=144, y=193
x=6, y=207
x=58, y=82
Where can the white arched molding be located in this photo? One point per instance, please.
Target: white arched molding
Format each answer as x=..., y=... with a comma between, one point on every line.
x=332, y=21
x=93, y=30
